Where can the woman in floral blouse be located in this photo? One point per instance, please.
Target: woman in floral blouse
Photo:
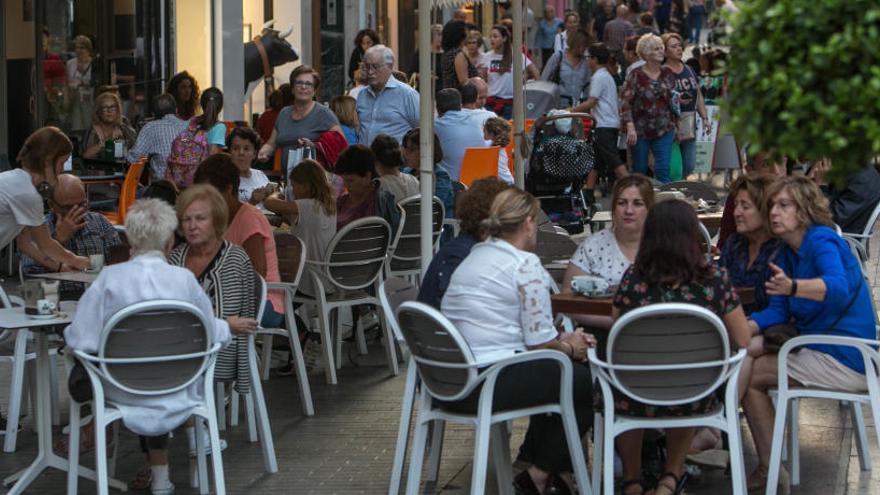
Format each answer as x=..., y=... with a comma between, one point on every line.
x=646, y=108
x=670, y=267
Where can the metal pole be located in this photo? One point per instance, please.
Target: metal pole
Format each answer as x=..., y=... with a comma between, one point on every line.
x=426, y=134
x=518, y=95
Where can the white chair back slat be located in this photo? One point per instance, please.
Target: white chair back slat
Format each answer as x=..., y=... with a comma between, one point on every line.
x=357, y=253
x=681, y=351
x=444, y=360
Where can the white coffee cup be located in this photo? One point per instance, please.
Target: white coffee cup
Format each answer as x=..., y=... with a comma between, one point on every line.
x=45, y=307
x=96, y=262
x=589, y=284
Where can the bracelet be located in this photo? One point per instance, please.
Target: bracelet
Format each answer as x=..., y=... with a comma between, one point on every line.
x=793, y=287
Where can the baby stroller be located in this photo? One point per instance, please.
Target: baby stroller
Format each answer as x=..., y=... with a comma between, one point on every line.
x=558, y=166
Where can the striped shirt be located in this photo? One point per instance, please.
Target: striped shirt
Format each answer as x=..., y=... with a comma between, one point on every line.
x=229, y=282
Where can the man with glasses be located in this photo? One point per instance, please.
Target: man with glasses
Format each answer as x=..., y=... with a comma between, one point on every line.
x=76, y=228
x=386, y=105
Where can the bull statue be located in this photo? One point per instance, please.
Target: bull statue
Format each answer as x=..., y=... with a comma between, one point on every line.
x=267, y=51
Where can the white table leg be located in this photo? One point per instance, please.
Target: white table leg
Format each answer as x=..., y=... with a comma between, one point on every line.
x=45, y=457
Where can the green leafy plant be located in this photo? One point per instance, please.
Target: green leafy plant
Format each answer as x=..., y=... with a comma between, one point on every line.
x=804, y=79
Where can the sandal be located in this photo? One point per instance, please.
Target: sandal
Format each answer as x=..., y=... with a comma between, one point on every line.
x=142, y=480
x=628, y=483
x=757, y=481
x=662, y=489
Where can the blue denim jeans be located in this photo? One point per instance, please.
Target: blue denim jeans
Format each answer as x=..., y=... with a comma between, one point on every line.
x=695, y=23
x=661, y=148
x=688, y=157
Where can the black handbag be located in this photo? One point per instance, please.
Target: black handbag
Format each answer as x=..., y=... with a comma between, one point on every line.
x=777, y=335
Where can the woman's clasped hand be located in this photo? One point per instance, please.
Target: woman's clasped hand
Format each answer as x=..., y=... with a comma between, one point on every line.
x=575, y=344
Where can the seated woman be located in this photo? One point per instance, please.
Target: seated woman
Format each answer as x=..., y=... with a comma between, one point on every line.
x=671, y=267
x=499, y=299
x=254, y=187
x=817, y=286
x=364, y=198
x=610, y=252
x=107, y=125
x=149, y=225
x=473, y=208
x=222, y=269
x=246, y=227
x=389, y=160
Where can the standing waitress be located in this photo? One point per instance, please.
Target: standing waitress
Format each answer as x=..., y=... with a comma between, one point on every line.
x=22, y=190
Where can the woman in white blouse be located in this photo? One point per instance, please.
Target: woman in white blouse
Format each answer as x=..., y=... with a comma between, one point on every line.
x=609, y=252
x=499, y=299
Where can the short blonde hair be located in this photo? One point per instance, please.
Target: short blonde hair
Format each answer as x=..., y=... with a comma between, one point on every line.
x=812, y=205
x=647, y=43
x=510, y=209
x=206, y=192
x=99, y=102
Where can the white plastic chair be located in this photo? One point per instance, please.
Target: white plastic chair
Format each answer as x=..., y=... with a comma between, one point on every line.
x=255, y=401
x=149, y=349
x=448, y=372
x=785, y=394
x=867, y=233
x=405, y=258
x=351, y=267
x=392, y=293
x=291, y=263
x=666, y=354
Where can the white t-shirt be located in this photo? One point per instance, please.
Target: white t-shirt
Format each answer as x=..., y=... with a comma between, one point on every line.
x=600, y=255
x=20, y=205
x=247, y=185
x=499, y=299
x=479, y=116
x=503, y=170
x=315, y=228
x=602, y=88
x=500, y=85
x=401, y=186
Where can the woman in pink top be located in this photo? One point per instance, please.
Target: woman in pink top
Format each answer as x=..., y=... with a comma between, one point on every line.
x=247, y=228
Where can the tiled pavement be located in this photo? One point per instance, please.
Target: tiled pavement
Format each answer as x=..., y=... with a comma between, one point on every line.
x=348, y=445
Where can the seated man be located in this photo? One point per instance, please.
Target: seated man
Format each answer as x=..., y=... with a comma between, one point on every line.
x=150, y=226
x=76, y=228
x=155, y=138
x=851, y=205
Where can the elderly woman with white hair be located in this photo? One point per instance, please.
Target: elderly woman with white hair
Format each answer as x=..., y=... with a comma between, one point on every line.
x=150, y=225
x=648, y=108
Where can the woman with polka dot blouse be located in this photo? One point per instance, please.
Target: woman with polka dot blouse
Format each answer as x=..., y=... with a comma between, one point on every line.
x=609, y=252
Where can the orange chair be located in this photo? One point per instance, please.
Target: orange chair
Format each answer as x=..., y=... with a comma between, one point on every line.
x=127, y=195
x=478, y=163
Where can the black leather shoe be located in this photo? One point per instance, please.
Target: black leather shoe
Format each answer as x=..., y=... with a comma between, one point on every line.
x=557, y=486
x=523, y=484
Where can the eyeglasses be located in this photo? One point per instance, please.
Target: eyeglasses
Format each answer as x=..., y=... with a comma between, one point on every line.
x=107, y=108
x=304, y=84
x=372, y=67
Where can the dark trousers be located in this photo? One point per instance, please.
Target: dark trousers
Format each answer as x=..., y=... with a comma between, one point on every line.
x=532, y=384
x=80, y=387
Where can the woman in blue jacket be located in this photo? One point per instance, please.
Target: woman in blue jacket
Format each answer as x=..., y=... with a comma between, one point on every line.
x=818, y=287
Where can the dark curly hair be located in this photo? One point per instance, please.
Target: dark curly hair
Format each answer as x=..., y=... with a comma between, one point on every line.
x=671, y=251
x=185, y=109
x=219, y=171
x=472, y=206
x=357, y=159
x=387, y=151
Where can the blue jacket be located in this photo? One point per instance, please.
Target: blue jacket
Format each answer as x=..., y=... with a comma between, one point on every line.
x=823, y=254
x=443, y=265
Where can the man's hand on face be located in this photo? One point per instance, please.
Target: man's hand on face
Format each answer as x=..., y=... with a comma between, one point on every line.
x=70, y=223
